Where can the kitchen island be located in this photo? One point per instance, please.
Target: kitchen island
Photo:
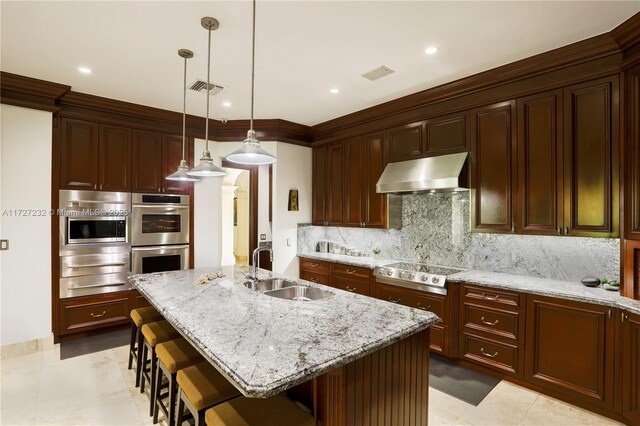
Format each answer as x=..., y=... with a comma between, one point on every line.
x=368, y=358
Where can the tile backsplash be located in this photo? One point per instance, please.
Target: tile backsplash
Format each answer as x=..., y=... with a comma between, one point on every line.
x=436, y=231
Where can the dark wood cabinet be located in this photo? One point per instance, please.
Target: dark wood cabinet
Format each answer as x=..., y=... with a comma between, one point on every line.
x=328, y=184
x=446, y=135
x=363, y=165
x=591, y=160
x=405, y=142
x=570, y=349
x=94, y=312
x=171, y=157
x=95, y=156
x=540, y=164
x=319, y=185
x=631, y=367
x=493, y=167
x=632, y=153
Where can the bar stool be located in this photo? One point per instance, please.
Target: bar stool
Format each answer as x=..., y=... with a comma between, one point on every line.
x=139, y=317
x=202, y=387
x=275, y=411
x=173, y=355
x=154, y=333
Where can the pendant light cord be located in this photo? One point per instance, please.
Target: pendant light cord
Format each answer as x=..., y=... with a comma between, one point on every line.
x=253, y=62
x=206, y=131
x=184, y=107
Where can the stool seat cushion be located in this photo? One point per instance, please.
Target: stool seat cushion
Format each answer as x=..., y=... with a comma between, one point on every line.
x=275, y=411
x=158, y=332
x=141, y=316
x=177, y=354
x=204, y=386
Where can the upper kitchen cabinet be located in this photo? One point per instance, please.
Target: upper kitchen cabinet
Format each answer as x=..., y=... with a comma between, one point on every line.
x=328, y=184
x=591, y=158
x=632, y=153
x=435, y=136
x=156, y=156
x=493, y=167
x=540, y=164
x=363, y=165
x=94, y=156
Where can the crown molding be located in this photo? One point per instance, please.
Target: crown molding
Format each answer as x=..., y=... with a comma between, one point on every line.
x=30, y=92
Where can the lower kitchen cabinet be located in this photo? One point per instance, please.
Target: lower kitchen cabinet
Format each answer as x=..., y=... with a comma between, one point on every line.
x=351, y=278
x=570, y=349
x=89, y=313
x=631, y=367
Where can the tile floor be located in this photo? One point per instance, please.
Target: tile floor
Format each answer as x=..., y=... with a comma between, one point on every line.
x=97, y=389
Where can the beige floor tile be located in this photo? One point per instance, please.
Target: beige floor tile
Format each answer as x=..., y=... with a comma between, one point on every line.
x=549, y=411
x=19, y=382
x=445, y=409
x=506, y=404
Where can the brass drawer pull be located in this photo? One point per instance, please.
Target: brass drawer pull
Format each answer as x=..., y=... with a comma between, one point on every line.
x=494, y=298
x=392, y=300
x=350, y=289
x=313, y=280
x=99, y=315
x=350, y=272
x=423, y=308
x=488, y=355
x=489, y=323
x=315, y=265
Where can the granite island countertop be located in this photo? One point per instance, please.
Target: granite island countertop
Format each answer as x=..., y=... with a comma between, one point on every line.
x=547, y=287
x=265, y=345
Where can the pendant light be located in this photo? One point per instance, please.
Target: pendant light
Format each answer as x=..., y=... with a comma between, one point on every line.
x=206, y=168
x=251, y=152
x=181, y=173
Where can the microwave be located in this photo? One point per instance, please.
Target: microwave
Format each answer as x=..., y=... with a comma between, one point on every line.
x=96, y=229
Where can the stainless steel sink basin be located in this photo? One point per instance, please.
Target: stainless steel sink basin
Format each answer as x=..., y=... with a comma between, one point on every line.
x=269, y=284
x=299, y=293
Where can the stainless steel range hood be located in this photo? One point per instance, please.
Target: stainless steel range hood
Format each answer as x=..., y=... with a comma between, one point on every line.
x=435, y=174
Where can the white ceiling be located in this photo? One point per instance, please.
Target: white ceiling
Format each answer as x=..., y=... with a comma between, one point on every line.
x=303, y=48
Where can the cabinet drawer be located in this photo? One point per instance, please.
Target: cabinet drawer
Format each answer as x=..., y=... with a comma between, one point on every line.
x=420, y=300
x=351, y=271
x=436, y=339
x=490, y=353
x=494, y=321
x=315, y=278
x=489, y=297
x=317, y=266
x=351, y=285
x=81, y=316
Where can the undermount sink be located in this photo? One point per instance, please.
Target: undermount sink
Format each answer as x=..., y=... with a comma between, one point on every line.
x=269, y=284
x=299, y=293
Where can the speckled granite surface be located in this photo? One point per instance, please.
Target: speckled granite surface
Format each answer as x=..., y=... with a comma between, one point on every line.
x=265, y=345
x=546, y=287
x=366, y=262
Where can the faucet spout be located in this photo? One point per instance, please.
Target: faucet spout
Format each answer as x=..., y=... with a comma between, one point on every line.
x=256, y=259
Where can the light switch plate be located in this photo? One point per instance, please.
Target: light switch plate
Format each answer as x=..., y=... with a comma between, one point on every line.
x=263, y=237
x=288, y=242
x=4, y=244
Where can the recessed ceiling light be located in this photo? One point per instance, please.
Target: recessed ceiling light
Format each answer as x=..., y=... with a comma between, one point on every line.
x=226, y=104
x=430, y=50
x=84, y=70
x=335, y=91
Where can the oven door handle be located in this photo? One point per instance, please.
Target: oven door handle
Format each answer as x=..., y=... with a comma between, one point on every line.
x=154, y=248
x=163, y=207
x=97, y=265
x=80, y=287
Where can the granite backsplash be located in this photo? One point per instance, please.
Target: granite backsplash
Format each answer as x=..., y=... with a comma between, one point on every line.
x=436, y=231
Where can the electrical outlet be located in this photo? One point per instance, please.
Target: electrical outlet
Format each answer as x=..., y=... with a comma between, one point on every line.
x=288, y=242
x=263, y=237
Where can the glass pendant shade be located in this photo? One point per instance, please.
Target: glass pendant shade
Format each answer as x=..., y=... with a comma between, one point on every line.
x=181, y=174
x=251, y=152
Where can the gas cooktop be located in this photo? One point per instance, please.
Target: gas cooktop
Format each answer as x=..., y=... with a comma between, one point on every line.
x=430, y=278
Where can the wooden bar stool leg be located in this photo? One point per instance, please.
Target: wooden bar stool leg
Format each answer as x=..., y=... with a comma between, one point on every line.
x=143, y=366
x=156, y=395
x=153, y=374
x=173, y=388
x=132, y=344
x=139, y=349
x=180, y=409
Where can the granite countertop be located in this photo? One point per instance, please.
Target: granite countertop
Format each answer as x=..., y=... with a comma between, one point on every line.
x=366, y=262
x=265, y=345
x=547, y=287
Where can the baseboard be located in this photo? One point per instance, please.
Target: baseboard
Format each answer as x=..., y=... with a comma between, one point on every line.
x=25, y=348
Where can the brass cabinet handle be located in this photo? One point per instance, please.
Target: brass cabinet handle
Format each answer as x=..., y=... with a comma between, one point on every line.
x=350, y=272
x=489, y=323
x=496, y=297
x=392, y=300
x=488, y=355
x=559, y=230
x=313, y=280
x=315, y=265
x=623, y=316
x=566, y=230
x=98, y=315
x=423, y=308
x=350, y=289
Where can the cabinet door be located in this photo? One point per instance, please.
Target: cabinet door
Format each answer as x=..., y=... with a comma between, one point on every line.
x=405, y=142
x=540, y=197
x=115, y=158
x=632, y=153
x=355, y=170
x=569, y=349
x=79, y=155
x=375, y=204
x=335, y=183
x=631, y=367
x=319, y=185
x=446, y=135
x=493, y=168
x=591, y=158
x=147, y=161
x=171, y=156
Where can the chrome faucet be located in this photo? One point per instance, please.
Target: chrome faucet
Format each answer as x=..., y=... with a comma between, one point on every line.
x=256, y=260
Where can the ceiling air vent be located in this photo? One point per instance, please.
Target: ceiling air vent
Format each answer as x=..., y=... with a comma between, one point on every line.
x=377, y=73
x=201, y=86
